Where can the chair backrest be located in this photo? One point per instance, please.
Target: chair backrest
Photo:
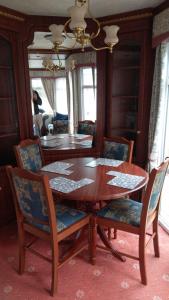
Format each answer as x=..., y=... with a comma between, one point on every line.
x=86, y=127
x=33, y=198
x=118, y=148
x=29, y=155
x=152, y=195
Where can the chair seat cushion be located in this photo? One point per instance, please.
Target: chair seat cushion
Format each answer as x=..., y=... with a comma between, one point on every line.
x=122, y=210
x=115, y=150
x=66, y=216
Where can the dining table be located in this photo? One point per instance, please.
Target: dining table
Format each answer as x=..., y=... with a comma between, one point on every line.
x=92, y=180
x=66, y=141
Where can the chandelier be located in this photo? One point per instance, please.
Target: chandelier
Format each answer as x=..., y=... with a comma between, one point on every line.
x=76, y=28
x=49, y=65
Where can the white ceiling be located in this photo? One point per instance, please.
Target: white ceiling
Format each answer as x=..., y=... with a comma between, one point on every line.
x=99, y=8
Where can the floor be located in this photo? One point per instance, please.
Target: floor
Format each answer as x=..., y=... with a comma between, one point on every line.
x=109, y=279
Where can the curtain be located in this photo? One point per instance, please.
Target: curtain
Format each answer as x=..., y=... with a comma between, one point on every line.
x=159, y=102
x=74, y=98
x=50, y=89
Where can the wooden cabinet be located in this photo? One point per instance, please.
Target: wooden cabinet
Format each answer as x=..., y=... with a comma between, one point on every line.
x=9, y=125
x=128, y=101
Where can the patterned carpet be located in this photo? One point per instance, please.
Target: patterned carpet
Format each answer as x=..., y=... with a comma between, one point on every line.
x=109, y=279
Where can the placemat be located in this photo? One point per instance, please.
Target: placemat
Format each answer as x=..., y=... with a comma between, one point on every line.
x=104, y=162
x=126, y=181
x=66, y=185
x=58, y=167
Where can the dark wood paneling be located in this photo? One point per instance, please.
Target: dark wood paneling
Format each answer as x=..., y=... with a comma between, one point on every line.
x=7, y=211
x=129, y=83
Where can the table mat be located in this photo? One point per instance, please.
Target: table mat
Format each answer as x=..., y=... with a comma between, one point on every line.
x=66, y=185
x=58, y=167
x=104, y=162
x=127, y=181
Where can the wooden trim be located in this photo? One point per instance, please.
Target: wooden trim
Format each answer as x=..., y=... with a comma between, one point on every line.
x=161, y=7
x=128, y=18
x=159, y=39
x=12, y=14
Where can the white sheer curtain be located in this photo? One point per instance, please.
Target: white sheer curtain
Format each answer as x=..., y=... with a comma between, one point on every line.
x=50, y=89
x=74, y=95
x=159, y=103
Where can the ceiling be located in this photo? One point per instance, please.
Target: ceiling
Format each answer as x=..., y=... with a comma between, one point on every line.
x=99, y=8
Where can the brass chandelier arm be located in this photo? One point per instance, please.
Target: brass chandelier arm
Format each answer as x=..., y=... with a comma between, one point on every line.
x=102, y=48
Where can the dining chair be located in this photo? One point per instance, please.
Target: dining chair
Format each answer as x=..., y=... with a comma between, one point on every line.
x=86, y=127
x=29, y=155
x=120, y=148
x=38, y=216
x=134, y=217
x=117, y=147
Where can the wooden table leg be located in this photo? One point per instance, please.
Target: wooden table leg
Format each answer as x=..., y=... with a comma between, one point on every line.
x=108, y=244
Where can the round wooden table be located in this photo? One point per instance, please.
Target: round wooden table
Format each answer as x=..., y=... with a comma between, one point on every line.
x=99, y=190
x=66, y=141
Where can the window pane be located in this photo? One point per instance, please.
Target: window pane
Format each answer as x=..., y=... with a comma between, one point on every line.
x=87, y=76
x=61, y=96
x=89, y=104
x=37, y=86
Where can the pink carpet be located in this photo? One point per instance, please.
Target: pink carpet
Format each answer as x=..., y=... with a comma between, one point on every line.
x=109, y=279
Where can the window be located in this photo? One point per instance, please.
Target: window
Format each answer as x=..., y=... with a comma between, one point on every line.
x=38, y=86
x=88, y=93
x=61, y=96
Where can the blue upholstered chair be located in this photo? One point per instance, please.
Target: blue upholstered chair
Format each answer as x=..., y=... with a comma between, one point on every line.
x=37, y=214
x=86, y=127
x=60, y=123
x=134, y=217
x=118, y=148
x=29, y=155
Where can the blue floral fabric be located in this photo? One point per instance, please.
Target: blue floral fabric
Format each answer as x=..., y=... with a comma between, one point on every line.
x=61, y=126
x=115, y=150
x=156, y=191
x=122, y=210
x=31, y=157
x=85, y=128
x=32, y=202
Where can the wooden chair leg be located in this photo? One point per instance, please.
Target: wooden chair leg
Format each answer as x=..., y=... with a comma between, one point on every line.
x=109, y=233
x=92, y=242
x=115, y=233
x=142, y=259
x=55, y=257
x=21, y=236
x=155, y=239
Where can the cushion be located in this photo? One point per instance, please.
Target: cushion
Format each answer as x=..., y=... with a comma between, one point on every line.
x=65, y=217
x=59, y=116
x=31, y=198
x=115, y=150
x=84, y=128
x=31, y=157
x=122, y=210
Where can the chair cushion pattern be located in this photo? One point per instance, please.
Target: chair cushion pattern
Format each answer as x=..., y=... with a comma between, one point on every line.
x=31, y=198
x=65, y=217
x=31, y=157
x=84, y=128
x=32, y=203
x=122, y=210
x=156, y=190
x=60, y=126
x=115, y=150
